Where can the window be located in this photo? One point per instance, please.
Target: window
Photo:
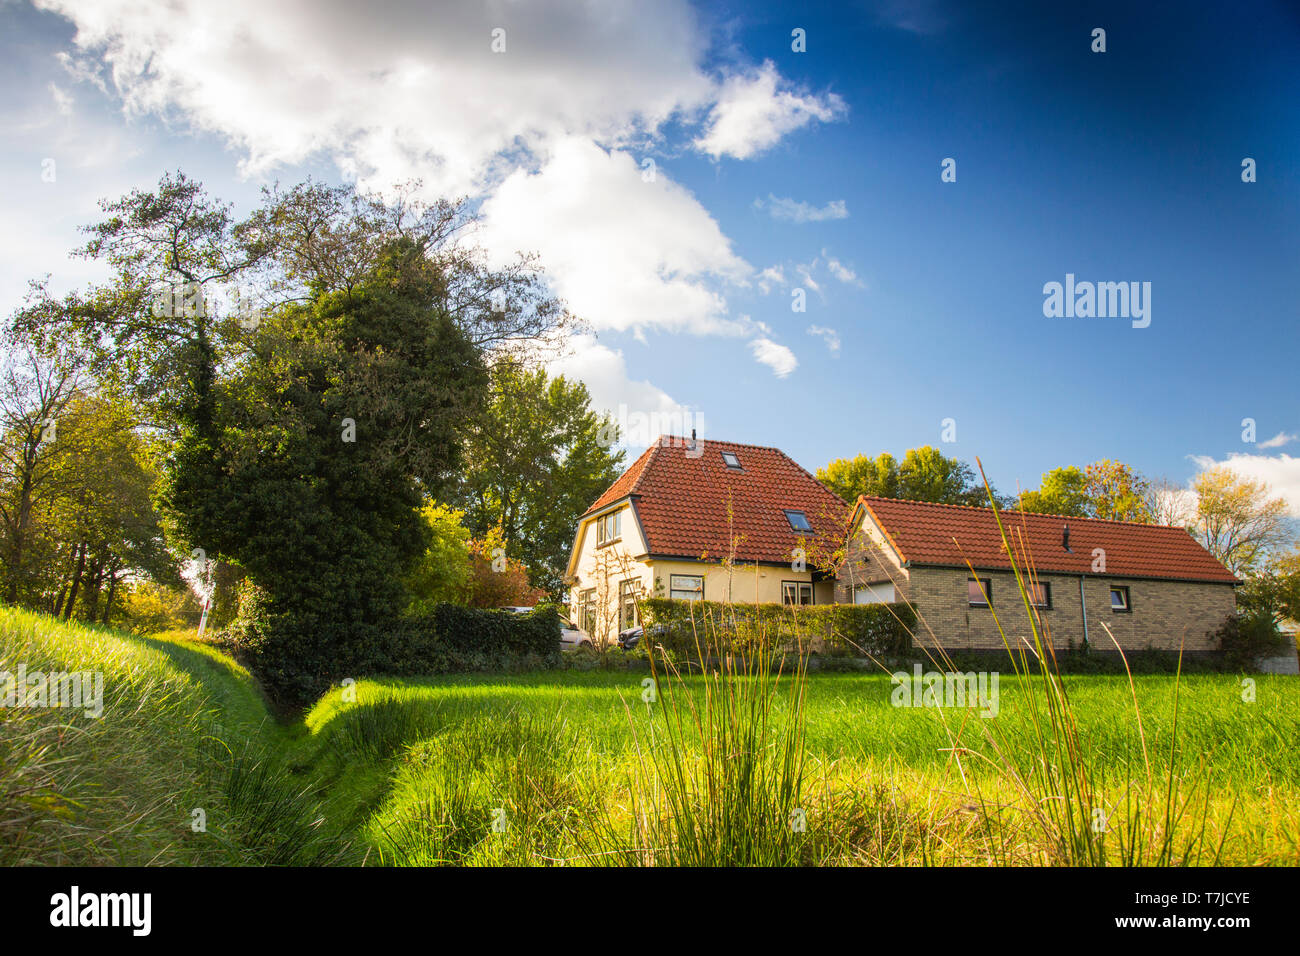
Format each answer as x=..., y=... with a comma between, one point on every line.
x=874, y=593
x=977, y=597
x=798, y=520
x=628, y=591
x=1119, y=600
x=1040, y=595
x=609, y=528
x=796, y=592
x=686, y=587
x=587, y=612
x=730, y=460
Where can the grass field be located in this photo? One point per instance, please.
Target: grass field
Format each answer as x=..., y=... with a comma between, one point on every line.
x=575, y=767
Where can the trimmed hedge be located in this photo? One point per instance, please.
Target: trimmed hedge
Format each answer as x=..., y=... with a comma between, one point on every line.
x=455, y=638
x=845, y=630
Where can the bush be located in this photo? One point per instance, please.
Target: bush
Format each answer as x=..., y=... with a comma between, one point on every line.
x=1245, y=638
x=836, y=629
x=455, y=638
x=450, y=639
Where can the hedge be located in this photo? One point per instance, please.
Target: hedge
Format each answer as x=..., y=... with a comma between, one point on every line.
x=455, y=638
x=837, y=629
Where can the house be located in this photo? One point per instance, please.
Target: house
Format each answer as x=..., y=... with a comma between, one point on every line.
x=1148, y=585
x=710, y=520
x=721, y=521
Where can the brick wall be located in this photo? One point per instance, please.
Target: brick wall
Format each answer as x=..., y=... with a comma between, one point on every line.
x=1163, y=613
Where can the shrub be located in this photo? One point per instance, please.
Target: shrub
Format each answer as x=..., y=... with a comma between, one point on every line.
x=835, y=629
x=1244, y=638
x=455, y=638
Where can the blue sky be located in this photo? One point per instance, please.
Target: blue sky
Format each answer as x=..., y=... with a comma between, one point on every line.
x=1115, y=166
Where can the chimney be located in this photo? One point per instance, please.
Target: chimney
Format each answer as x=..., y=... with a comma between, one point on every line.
x=1065, y=537
x=692, y=434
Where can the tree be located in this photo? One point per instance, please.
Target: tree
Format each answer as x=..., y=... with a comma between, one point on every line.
x=312, y=461
x=926, y=474
x=442, y=575
x=34, y=393
x=1117, y=492
x=497, y=580
x=1064, y=491
x=850, y=477
x=1236, y=520
x=535, y=460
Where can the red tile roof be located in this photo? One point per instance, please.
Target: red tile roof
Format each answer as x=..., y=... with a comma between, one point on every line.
x=683, y=497
x=949, y=535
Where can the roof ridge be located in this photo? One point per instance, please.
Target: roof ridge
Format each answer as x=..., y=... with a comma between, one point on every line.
x=1017, y=511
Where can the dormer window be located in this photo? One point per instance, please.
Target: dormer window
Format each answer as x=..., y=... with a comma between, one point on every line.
x=798, y=521
x=609, y=528
x=730, y=459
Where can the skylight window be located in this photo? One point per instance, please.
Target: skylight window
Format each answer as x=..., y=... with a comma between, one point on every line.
x=730, y=460
x=798, y=520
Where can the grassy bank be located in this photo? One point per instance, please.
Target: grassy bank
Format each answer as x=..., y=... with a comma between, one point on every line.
x=577, y=767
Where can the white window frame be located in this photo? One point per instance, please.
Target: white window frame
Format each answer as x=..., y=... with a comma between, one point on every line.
x=684, y=593
x=798, y=587
x=609, y=528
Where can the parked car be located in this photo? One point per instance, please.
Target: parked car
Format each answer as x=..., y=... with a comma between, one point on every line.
x=630, y=638
x=572, y=637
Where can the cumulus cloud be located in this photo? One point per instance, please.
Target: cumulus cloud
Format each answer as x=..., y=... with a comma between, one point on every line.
x=1280, y=472
x=775, y=356
x=753, y=111
x=792, y=210
x=396, y=88
x=631, y=254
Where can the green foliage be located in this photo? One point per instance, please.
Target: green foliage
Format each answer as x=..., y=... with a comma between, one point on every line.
x=442, y=575
x=924, y=474
x=150, y=607
x=535, y=459
x=1063, y=492
x=455, y=638
x=308, y=467
x=851, y=477
x=1246, y=637
x=838, y=629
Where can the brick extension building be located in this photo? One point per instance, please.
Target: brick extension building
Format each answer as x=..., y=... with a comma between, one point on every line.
x=1152, y=586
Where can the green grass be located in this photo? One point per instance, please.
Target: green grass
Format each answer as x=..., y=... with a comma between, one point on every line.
x=574, y=767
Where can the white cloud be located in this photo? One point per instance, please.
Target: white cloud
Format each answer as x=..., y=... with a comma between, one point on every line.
x=624, y=253
x=792, y=210
x=830, y=336
x=642, y=410
x=398, y=88
x=753, y=112
x=776, y=357
x=841, y=271
x=1281, y=473
x=1278, y=440
x=770, y=277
